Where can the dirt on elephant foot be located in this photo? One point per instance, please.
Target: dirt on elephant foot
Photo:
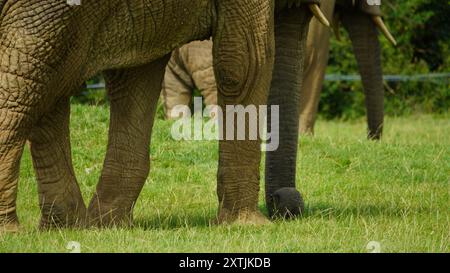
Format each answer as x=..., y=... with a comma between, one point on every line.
x=109, y=222
x=49, y=223
x=55, y=217
x=308, y=132
x=10, y=227
x=242, y=217
x=9, y=223
x=110, y=218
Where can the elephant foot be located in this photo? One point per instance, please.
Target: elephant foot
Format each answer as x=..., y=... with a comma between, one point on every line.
x=306, y=127
x=307, y=131
x=9, y=225
x=286, y=203
x=56, y=216
x=243, y=217
x=309, y=134
x=107, y=217
x=374, y=136
x=111, y=220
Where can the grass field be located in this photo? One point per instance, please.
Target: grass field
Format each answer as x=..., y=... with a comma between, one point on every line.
x=395, y=192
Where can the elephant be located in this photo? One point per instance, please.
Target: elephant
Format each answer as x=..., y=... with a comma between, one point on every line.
x=317, y=51
x=362, y=21
x=366, y=47
x=190, y=66
x=48, y=48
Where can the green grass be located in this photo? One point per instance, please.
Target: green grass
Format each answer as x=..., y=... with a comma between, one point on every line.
x=395, y=192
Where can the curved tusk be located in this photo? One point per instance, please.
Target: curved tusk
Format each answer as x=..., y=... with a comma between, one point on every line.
x=319, y=14
x=383, y=28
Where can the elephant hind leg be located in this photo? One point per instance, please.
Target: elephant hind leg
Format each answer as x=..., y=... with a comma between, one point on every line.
x=12, y=141
x=59, y=194
x=133, y=94
x=177, y=87
x=9, y=176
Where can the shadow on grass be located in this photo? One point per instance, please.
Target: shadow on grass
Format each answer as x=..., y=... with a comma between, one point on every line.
x=183, y=219
x=191, y=219
x=365, y=210
x=174, y=221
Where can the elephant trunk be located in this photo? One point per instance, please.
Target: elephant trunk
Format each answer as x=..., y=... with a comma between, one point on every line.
x=366, y=46
x=291, y=26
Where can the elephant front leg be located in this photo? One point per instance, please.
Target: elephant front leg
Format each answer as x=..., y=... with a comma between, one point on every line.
x=243, y=58
x=133, y=94
x=59, y=194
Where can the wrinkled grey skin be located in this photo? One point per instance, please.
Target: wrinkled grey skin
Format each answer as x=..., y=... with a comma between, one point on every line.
x=282, y=198
x=48, y=49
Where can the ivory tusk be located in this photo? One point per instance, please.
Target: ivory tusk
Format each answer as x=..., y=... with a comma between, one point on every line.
x=319, y=14
x=383, y=28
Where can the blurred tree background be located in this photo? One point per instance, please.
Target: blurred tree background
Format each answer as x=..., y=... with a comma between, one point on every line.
x=422, y=29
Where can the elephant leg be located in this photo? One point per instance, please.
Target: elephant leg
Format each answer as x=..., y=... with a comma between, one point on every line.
x=177, y=86
x=316, y=61
x=59, y=193
x=243, y=58
x=206, y=83
x=367, y=49
x=291, y=29
x=200, y=64
x=133, y=94
x=12, y=141
x=25, y=84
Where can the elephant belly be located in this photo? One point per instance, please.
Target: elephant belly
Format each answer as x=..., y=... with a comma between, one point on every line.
x=148, y=30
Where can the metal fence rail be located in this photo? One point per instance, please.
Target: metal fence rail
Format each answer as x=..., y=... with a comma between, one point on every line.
x=435, y=78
